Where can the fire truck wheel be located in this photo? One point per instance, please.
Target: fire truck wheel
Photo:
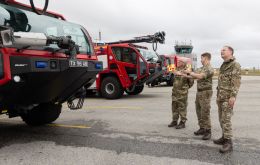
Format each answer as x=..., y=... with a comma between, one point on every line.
x=111, y=88
x=42, y=114
x=170, y=82
x=136, y=91
x=153, y=84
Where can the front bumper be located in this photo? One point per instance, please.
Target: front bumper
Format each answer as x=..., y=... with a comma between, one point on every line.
x=44, y=80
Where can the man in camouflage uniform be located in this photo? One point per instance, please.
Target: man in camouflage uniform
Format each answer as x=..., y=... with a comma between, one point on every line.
x=203, y=96
x=180, y=95
x=228, y=85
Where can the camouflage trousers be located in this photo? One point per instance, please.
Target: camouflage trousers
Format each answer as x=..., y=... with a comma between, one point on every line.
x=202, y=103
x=179, y=109
x=225, y=113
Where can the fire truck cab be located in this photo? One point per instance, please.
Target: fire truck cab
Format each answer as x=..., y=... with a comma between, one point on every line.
x=125, y=70
x=155, y=66
x=168, y=64
x=44, y=62
x=125, y=66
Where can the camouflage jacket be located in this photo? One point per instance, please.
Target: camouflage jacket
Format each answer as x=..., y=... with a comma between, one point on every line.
x=206, y=82
x=181, y=86
x=229, y=80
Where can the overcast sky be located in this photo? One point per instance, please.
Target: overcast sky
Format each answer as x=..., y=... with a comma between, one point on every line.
x=209, y=24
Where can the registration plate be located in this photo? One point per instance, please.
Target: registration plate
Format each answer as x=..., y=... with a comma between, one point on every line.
x=78, y=63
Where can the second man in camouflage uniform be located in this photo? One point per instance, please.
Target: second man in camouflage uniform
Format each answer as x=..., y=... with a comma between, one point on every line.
x=203, y=96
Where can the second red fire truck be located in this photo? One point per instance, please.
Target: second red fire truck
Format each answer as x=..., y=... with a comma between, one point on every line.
x=126, y=69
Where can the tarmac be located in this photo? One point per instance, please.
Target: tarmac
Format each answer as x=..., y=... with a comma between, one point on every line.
x=133, y=130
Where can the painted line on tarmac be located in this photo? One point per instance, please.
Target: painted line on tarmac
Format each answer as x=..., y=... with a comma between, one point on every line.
x=9, y=121
x=69, y=126
x=115, y=107
x=3, y=117
x=5, y=121
x=4, y=111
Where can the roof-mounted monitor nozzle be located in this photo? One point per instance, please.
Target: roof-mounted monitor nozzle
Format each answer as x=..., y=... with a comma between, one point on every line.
x=25, y=39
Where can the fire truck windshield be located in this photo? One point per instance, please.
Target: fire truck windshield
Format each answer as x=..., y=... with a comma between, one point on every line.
x=26, y=21
x=149, y=55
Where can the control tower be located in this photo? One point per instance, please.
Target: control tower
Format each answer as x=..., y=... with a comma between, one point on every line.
x=184, y=49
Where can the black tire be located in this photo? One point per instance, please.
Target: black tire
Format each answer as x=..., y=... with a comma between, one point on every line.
x=137, y=90
x=111, y=88
x=42, y=114
x=170, y=82
x=153, y=84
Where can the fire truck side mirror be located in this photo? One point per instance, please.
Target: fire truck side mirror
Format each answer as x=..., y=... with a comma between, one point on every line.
x=5, y=37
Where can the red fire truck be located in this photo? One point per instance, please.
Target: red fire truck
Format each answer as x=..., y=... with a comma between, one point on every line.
x=44, y=62
x=169, y=63
x=183, y=50
x=125, y=67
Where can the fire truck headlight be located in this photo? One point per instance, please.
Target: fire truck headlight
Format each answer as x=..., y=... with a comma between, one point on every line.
x=17, y=79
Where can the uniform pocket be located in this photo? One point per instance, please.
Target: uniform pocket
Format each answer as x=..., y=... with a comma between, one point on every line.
x=224, y=95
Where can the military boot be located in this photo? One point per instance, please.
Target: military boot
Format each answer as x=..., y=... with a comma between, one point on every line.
x=199, y=132
x=172, y=124
x=207, y=134
x=219, y=141
x=227, y=146
x=181, y=125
